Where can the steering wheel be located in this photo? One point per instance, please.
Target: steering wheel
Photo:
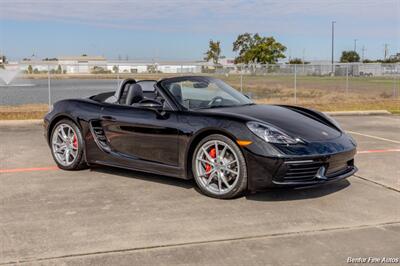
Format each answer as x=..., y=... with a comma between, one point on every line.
x=149, y=102
x=215, y=100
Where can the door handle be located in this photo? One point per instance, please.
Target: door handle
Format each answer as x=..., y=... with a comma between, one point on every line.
x=108, y=118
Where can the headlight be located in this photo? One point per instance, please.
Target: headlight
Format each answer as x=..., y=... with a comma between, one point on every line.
x=270, y=134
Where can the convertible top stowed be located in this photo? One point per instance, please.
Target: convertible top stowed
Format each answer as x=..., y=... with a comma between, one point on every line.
x=199, y=127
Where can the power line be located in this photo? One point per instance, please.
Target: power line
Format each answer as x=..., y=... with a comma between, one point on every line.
x=386, y=51
x=362, y=53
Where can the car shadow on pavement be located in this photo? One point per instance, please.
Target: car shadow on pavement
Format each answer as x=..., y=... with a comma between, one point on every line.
x=272, y=194
x=166, y=180
x=287, y=194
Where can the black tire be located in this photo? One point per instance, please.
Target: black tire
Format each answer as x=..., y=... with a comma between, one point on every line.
x=79, y=161
x=240, y=186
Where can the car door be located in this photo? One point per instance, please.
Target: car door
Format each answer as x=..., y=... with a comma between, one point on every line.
x=141, y=134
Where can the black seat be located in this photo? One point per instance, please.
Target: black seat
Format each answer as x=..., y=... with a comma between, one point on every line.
x=135, y=94
x=177, y=92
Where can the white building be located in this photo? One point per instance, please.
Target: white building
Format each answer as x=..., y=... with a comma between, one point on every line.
x=153, y=66
x=81, y=64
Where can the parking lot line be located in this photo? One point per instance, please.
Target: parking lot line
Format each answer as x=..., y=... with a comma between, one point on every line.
x=32, y=169
x=378, y=151
x=374, y=137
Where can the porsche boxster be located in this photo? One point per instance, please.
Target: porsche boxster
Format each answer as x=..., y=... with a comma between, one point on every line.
x=199, y=127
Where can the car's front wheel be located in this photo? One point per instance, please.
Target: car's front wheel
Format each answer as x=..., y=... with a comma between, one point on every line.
x=67, y=145
x=219, y=167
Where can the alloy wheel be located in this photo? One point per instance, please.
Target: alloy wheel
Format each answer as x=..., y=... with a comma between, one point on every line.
x=65, y=144
x=217, y=167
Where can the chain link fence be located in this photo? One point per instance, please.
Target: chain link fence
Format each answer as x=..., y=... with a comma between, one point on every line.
x=324, y=87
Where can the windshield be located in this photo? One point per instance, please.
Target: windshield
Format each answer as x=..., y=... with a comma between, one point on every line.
x=204, y=92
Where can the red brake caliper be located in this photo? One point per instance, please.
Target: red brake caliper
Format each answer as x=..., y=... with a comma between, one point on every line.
x=75, y=142
x=213, y=154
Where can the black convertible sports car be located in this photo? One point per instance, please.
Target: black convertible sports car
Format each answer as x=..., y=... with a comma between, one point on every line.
x=199, y=127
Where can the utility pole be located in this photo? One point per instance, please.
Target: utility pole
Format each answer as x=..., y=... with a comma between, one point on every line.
x=362, y=53
x=333, y=41
x=355, y=45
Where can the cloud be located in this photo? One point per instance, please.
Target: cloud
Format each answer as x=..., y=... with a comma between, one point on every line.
x=218, y=16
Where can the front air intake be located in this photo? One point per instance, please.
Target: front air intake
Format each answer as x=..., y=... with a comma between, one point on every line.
x=302, y=172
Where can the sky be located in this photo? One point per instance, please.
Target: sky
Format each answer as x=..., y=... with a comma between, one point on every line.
x=181, y=30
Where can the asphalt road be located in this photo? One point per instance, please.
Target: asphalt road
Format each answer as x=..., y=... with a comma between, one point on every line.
x=107, y=216
x=33, y=91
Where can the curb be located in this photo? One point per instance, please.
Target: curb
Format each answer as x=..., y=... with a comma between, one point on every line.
x=358, y=113
x=27, y=122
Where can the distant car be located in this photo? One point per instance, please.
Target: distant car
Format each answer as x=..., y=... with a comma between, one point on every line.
x=200, y=127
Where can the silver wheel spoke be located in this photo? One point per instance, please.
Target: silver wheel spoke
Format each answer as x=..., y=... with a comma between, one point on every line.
x=67, y=154
x=231, y=171
x=208, y=173
x=205, y=161
x=216, y=150
x=231, y=162
x=210, y=178
x=219, y=183
x=63, y=133
x=60, y=149
x=225, y=181
x=223, y=152
x=208, y=155
x=60, y=135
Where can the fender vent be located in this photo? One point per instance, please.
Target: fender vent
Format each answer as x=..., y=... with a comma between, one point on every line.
x=99, y=135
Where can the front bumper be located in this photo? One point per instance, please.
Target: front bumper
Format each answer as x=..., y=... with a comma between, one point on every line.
x=266, y=172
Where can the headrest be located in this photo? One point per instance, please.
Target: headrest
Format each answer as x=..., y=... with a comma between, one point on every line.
x=135, y=94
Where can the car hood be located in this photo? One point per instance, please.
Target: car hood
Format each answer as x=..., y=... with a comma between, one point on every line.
x=294, y=123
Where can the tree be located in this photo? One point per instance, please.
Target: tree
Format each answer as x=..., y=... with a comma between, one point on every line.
x=349, y=57
x=30, y=69
x=297, y=61
x=253, y=48
x=59, y=69
x=115, y=69
x=214, y=52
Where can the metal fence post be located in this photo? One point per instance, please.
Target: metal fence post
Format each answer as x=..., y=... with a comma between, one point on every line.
x=295, y=84
x=347, y=79
x=117, y=76
x=48, y=85
x=241, y=78
x=398, y=84
x=394, y=85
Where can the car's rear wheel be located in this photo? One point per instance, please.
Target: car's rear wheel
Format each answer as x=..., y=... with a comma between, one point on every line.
x=67, y=145
x=219, y=167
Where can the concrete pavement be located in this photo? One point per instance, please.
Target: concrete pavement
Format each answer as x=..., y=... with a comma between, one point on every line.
x=107, y=216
